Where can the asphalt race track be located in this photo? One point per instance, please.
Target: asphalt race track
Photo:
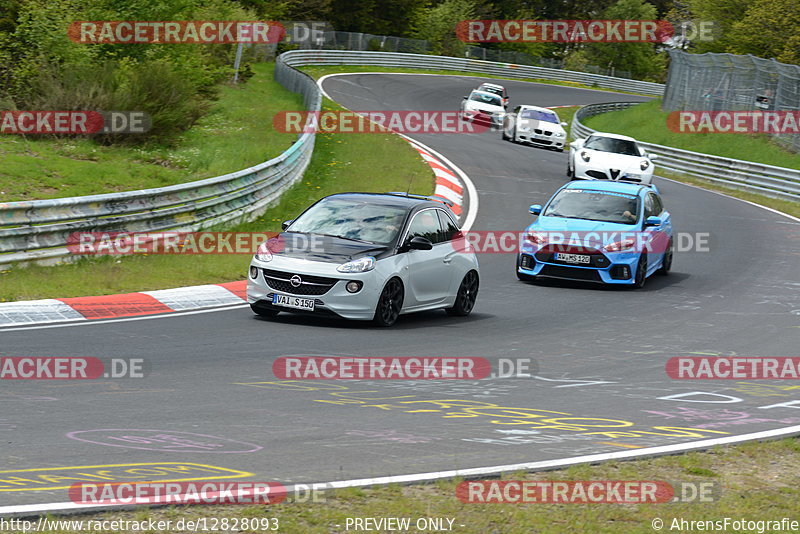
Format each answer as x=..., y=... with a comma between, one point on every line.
x=600, y=387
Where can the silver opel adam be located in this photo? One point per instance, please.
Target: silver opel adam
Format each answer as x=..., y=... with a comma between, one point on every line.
x=366, y=256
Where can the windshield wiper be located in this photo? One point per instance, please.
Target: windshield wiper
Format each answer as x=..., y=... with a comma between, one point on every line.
x=345, y=238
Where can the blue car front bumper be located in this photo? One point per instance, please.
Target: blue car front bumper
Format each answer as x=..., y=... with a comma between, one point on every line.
x=617, y=268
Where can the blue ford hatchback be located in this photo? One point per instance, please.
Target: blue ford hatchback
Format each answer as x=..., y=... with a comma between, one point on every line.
x=597, y=231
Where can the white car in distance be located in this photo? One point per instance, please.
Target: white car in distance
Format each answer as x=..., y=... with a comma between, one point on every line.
x=483, y=107
x=606, y=156
x=535, y=126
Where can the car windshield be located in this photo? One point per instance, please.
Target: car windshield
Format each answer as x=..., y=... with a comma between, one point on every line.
x=538, y=115
x=348, y=219
x=492, y=100
x=605, y=206
x=610, y=144
x=494, y=90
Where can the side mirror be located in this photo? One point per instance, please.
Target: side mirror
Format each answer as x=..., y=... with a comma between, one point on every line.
x=285, y=224
x=652, y=221
x=563, y=123
x=652, y=156
x=463, y=98
x=535, y=209
x=575, y=144
x=420, y=243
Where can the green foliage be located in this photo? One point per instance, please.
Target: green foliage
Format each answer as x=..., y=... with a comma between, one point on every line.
x=642, y=59
x=770, y=28
x=437, y=24
x=41, y=68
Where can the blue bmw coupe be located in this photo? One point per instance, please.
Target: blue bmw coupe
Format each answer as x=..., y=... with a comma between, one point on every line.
x=598, y=231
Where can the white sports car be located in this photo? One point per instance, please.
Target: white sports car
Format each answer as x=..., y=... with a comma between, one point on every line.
x=605, y=156
x=536, y=126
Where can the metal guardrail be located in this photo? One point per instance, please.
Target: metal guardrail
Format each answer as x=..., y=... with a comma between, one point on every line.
x=506, y=70
x=38, y=230
x=769, y=180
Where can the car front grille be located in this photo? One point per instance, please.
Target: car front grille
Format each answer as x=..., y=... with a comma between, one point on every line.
x=600, y=175
x=597, y=259
x=309, y=285
x=572, y=273
x=545, y=132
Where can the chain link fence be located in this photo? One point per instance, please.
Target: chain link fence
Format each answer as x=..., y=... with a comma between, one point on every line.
x=727, y=82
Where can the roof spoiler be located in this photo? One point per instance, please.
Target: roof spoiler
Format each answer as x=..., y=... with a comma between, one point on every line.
x=435, y=198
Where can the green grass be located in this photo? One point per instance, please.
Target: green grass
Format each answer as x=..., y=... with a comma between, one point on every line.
x=646, y=122
x=341, y=162
x=757, y=481
x=317, y=71
x=236, y=133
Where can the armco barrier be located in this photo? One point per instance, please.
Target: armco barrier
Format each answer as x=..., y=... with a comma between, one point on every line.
x=506, y=70
x=37, y=230
x=767, y=180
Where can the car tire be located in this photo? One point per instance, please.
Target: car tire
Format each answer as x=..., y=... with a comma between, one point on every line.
x=390, y=303
x=641, y=272
x=466, y=296
x=666, y=263
x=262, y=311
x=514, y=135
x=570, y=172
x=505, y=135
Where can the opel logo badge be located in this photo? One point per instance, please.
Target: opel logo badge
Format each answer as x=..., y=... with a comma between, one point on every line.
x=295, y=281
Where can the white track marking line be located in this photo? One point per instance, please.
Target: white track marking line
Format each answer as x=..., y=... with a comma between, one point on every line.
x=472, y=472
x=165, y=315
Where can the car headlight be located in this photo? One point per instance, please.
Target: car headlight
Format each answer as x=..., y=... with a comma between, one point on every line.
x=536, y=238
x=585, y=156
x=263, y=253
x=644, y=164
x=361, y=265
x=559, y=134
x=618, y=246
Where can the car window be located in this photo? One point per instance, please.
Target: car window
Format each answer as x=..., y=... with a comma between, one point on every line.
x=545, y=116
x=658, y=206
x=449, y=227
x=426, y=224
x=610, y=144
x=605, y=206
x=350, y=219
x=492, y=100
x=648, y=206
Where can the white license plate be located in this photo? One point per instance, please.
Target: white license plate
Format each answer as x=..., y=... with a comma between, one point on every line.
x=573, y=258
x=297, y=303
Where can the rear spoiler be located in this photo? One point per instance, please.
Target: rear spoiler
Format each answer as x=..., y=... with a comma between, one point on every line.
x=435, y=198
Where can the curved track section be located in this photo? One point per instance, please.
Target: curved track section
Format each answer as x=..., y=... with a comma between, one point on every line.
x=210, y=401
